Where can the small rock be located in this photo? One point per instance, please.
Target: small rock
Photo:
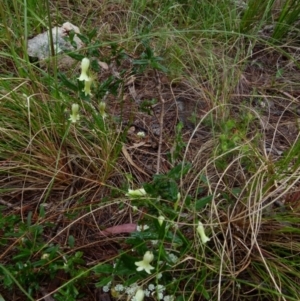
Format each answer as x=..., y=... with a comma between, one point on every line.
x=39, y=46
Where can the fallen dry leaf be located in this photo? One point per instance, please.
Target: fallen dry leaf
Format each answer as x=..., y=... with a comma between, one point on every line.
x=125, y=228
x=103, y=65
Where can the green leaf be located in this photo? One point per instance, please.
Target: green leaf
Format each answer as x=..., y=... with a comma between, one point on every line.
x=23, y=255
x=83, y=38
x=67, y=82
x=92, y=34
x=104, y=281
x=199, y=204
x=29, y=216
x=8, y=282
x=179, y=171
x=103, y=268
x=71, y=241
x=144, y=235
x=75, y=56
x=125, y=265
x=42, y=212
x=201, y=289
x=171, y=237
x=78, y=254
x=74, y=44
x=95, y=66
x=146, y=105
x=203, y=179
x=160, y=67
x=133, y=279
x=173, y=191
x=134, y=241
x=141, y=62
x=93, y=50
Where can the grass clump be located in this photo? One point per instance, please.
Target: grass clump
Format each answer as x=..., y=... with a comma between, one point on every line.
x=169, y=170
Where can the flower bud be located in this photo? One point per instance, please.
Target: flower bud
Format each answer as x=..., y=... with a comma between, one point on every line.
x=201, y=232
x=161, y=220
x=136, y=193
x=85, y=64
x=139, y=295
x=102, y=106
x=87, y=87
x=74, y=116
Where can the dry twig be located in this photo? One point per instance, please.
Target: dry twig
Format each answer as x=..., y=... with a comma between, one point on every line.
x=161, y=121
x=10, y=205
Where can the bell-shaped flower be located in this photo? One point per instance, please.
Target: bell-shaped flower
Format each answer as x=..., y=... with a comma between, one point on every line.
x=136, y=193
x=145, y=263
x=139, y=295
x=87, y=87
x=85, y=64
x=102, y=107
x=75, y=115
x=200, y=230
x=161, y=220
x=177, y=201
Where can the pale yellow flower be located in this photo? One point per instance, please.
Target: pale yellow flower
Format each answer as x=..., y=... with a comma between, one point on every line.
x=102, y=107
x=139, y=295
x=75, y=115
x=85, y=64
x=87, y=87
x=200, y=230
x=177, y=201
x=136, y=192
x=145, y=263
x=161, y=219
x=45, y=256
